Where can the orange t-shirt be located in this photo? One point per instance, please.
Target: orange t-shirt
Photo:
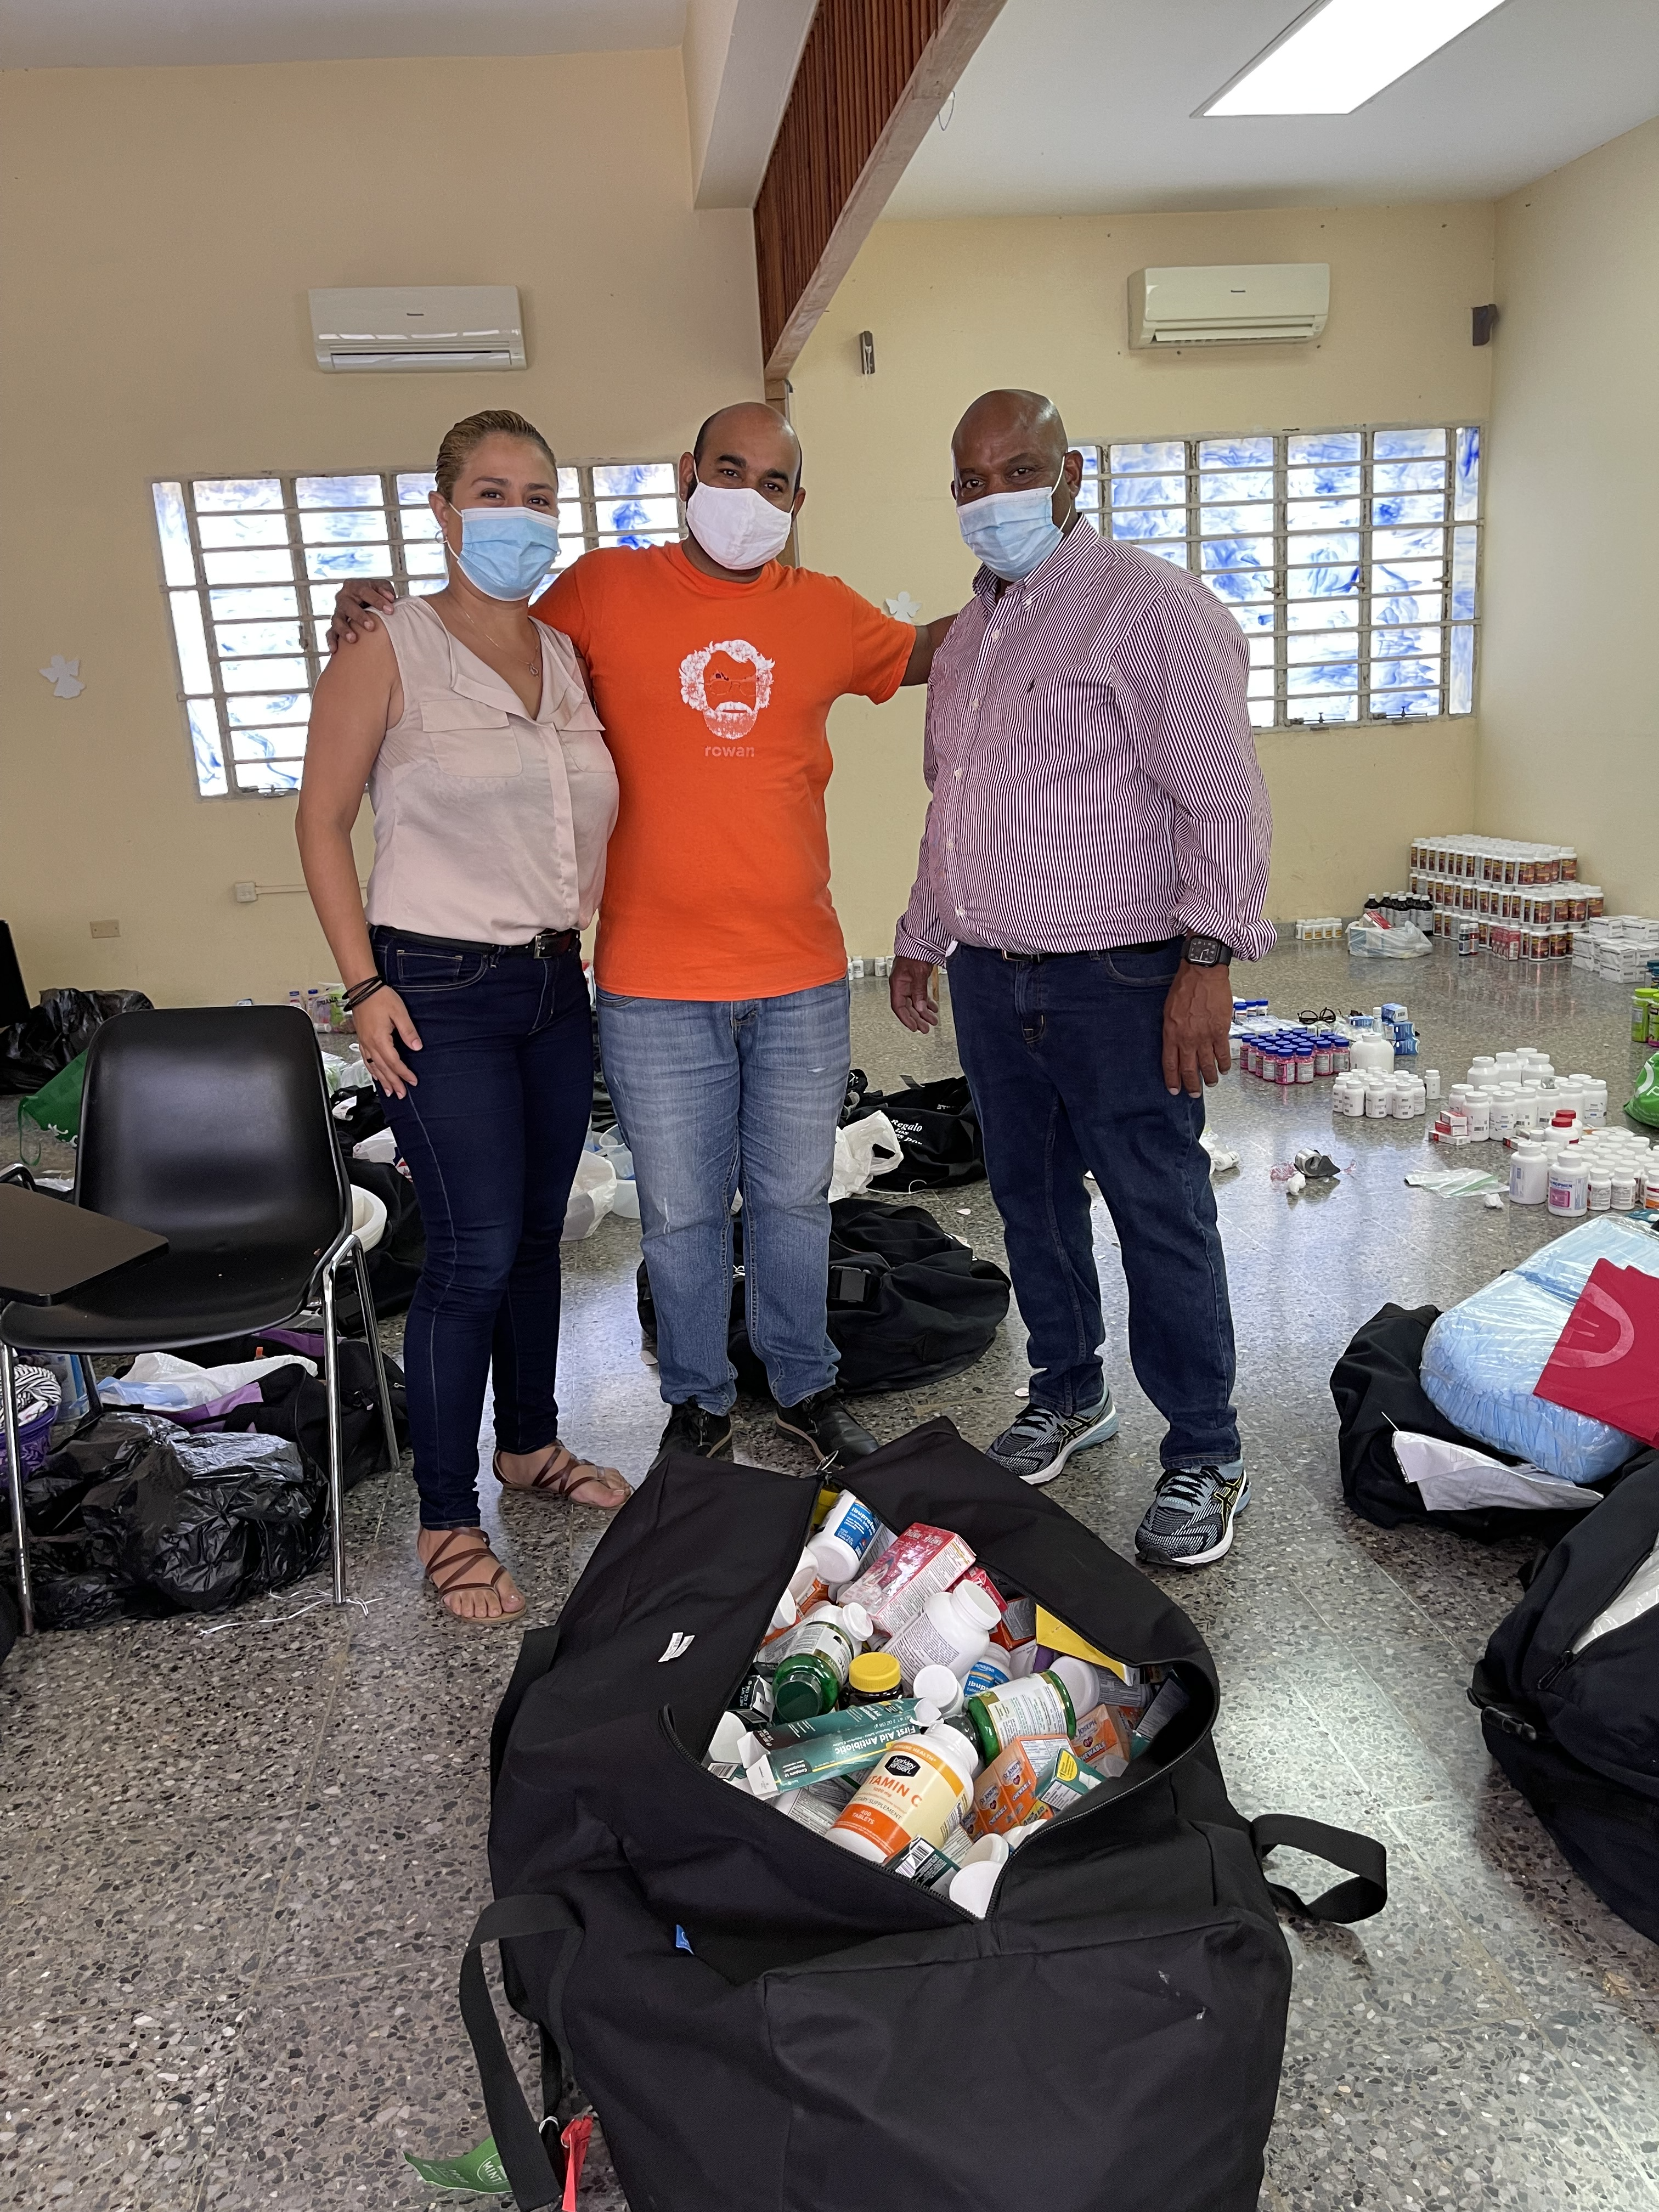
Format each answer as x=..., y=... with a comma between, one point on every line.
x=715, y=698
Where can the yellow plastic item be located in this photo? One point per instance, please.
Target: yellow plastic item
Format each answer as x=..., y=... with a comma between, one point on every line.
x=821, y=1512
x=1054, y=1635
x=874, y=1674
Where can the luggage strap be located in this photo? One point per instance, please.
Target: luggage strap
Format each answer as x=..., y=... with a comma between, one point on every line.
x=522, y=2145
x=1363, y=1855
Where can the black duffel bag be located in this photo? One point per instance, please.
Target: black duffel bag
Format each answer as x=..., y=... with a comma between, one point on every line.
x=1579, y=1735
x=764, y=2023
x=935, y=1124
x=908, y=1304
x=1377, y=1387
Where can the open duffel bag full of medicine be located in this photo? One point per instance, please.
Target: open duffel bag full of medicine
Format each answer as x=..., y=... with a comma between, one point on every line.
x=928, y=1976
x=1482, y=1359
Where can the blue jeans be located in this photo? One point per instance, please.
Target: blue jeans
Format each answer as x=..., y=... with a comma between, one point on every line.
x=1064, y=1061
x=719, y=1097
x=491, y=1133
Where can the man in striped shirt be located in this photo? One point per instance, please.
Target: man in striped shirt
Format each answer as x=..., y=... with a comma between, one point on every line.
x=1096, y=853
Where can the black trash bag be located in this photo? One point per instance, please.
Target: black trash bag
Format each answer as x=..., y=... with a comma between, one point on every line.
x=936, y=1126
x=58, y=1030
x=1377, y=1389
x=908, y=1303
x=199, y=1521
x=297, y=1406
x=100, y=1447
x=178, y=1522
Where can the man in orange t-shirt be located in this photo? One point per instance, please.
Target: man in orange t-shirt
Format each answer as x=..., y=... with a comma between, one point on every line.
x=720, y=967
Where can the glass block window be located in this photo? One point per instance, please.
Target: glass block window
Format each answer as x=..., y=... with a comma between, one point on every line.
x=251, y=565
x=1350, y=558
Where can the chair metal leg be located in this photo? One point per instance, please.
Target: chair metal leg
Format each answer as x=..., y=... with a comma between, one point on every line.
x=335, y=1469
x=15, y=1479
x=89, y=1380
x=366, y=1300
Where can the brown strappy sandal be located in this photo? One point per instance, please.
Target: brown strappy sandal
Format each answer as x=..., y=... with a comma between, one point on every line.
x=470, y=1555
x=562, y=1475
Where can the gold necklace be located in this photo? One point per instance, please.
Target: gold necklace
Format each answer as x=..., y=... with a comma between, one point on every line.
x=534, y=665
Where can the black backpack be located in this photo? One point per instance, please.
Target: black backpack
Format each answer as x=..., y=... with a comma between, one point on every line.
x=1579, y=1736
x=765, y=2024
x=936, y=1126
x=908, y=1304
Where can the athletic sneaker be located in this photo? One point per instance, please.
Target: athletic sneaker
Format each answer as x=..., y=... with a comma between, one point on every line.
x=1189, y=1523
x=698, y=1434
x=1038, y=1444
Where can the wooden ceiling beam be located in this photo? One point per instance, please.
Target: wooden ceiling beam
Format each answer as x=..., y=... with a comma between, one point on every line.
x=873, y=76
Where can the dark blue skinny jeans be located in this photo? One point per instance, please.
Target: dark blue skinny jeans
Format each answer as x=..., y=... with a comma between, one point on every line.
x=491, y=1132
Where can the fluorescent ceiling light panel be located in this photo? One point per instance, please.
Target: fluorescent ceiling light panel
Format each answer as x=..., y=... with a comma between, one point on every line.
x=1341, y=54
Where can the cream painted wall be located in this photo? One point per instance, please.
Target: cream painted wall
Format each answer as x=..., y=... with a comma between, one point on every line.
x=158, y=231
x=1569, y=713
x=956, y=307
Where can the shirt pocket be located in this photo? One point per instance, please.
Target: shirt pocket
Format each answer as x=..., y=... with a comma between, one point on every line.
x=470, y=738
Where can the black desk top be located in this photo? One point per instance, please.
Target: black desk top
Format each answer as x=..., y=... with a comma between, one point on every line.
x=48, y=1249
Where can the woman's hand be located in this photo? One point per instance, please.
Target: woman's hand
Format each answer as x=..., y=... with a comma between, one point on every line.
x=383, y=1021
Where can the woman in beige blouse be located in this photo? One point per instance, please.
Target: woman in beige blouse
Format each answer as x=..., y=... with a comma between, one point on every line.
x=494, y=796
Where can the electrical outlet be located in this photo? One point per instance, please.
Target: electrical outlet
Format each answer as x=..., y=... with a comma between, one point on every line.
x=106, y=929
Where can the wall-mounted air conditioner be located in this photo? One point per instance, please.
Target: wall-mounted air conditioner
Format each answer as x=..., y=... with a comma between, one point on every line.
x=454, y=327
x=1261, y=302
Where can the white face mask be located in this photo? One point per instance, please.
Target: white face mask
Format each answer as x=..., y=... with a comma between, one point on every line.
x=1012, y=533
x=738, y=529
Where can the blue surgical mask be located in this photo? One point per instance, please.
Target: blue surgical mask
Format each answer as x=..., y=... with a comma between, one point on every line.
x=1012, y=533
x=507, y=551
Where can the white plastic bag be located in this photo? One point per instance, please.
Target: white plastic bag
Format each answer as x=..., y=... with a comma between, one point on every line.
x=1403, y=940
x=864, y=1149
x=592, y=1195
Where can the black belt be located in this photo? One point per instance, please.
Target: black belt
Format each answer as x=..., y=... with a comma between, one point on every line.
x=1035, y=959
x=545, y=945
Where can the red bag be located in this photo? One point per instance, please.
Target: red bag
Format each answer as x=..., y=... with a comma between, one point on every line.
x=1606, y=1363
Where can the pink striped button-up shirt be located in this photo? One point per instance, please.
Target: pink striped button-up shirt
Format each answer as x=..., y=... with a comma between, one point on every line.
x=1093, y=773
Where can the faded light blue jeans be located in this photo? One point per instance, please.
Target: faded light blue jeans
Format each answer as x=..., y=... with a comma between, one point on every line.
x=716, y=1098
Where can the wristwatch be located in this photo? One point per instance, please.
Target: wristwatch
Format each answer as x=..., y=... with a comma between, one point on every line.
x=1207, y=953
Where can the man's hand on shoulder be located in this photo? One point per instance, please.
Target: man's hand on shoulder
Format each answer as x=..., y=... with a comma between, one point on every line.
x=910, y=995
x=355, y=607
x=1197, y=1017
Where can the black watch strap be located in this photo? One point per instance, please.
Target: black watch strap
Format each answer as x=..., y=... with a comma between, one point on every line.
x=1207, y=952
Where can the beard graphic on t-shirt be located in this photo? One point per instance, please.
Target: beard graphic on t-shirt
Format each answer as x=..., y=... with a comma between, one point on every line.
x=728, y=684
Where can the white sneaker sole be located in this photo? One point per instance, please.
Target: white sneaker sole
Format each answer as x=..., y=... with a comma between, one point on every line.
x=1102, y=1431
x=1203, y=1559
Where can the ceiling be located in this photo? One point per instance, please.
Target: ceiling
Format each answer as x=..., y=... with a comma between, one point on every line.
x=133, y=33
x=1085, y=106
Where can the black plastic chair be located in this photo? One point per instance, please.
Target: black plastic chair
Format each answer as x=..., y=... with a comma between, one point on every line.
x=210, y=1126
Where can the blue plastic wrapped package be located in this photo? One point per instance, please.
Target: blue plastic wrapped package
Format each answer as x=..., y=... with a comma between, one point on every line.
x=1482, y=1359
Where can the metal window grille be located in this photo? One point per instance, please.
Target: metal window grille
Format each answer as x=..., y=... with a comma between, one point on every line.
x=1350, y=558
x=251, y=565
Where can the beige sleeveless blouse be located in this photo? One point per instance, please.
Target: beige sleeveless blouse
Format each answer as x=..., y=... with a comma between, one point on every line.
x=489, y=824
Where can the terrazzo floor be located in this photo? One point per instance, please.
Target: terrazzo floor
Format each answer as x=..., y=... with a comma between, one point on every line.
x=241, y=1858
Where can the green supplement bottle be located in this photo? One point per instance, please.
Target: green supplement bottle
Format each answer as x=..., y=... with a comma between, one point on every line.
x=1037, y=1705
x=816, y=1657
